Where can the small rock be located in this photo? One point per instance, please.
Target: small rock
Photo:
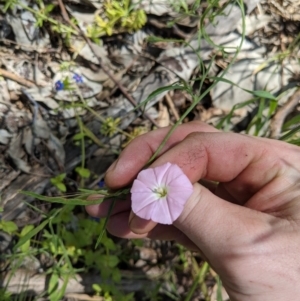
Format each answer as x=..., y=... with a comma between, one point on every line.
x=29, y=263
x=4, y=136
x=148, y=254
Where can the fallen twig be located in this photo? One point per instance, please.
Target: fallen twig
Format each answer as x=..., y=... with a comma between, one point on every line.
x=172, y=107
x=278, y=119
x=16, y=78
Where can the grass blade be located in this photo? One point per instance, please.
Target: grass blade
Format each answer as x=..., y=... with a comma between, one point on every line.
x=30, y=234
x=62, y=200
x=290, y=133
x=111, y=207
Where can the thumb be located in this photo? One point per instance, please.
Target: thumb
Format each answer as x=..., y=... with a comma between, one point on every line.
x=218, y=227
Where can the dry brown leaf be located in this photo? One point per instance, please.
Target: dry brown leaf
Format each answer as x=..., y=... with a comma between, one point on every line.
x=163, y=118
x=213, y=296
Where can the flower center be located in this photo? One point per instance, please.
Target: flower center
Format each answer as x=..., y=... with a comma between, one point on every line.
x=161, y=191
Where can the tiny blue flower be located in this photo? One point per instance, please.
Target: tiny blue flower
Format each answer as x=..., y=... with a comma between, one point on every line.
x=78, y=78
x=59, y=85
x=95, y=219
x=101, y=184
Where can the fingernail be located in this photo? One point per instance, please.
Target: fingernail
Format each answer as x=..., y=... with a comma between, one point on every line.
x=136, y=224
x=131, y=216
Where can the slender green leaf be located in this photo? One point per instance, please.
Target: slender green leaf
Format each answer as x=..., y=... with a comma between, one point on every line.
x=295, y=141
x=259, y=116
x=78, y=136
x=83, y=172
x=61, y=186
x=199, y=279
x=155, y=39
x=25, y=247
x=91, y=191
x=62, y=200
x=257, y=93
x=61, y=177
x=290, y=133
x=111, y=207
x=158, y=92
x=30, y=234
x=49, y=8
x=273, y=104
x=53, y=284
x=8, y=226
x=230, y=114
x=97, y=288
x=219, y=289
x=81, y=200
x=262, y=94
x=58, y=294
x=291, y=122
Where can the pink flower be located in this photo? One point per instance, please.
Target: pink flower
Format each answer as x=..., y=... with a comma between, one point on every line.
x=159, y=194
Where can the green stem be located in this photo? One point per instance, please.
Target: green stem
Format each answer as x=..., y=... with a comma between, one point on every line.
x=197, y=100
x=53, y=21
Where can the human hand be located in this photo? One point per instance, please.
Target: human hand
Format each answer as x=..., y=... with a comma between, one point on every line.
x=247, y=227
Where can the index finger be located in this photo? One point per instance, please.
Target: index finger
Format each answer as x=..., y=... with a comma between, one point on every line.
x=136, y=155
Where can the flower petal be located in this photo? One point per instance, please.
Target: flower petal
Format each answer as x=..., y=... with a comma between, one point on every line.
x=174, y=173
x=140, y=200
x=145, y=212
x=148, y=177
x=148, y=205
x=175, y=207
x=160, y=172
x=161, y=212
x=139, y=186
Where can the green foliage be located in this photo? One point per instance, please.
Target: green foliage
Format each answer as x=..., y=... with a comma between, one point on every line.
x=54, y=292
x=58, y=182
x=219, y=289
x=182, y=6
x=25, y=247
x=80, y=199
x=4, y=295
x=9, y=5
x=66, y=65
x=24, y=239
x=83, y=172
x=68, y=86
x=110, y=126
x=291, y=130
x=8, y=226
x=53, y=286
x=106, y=295
x=69, y=238
x=44, y=13
x=119, y=16
x=199, y=280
